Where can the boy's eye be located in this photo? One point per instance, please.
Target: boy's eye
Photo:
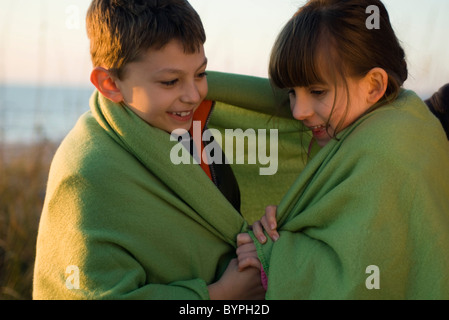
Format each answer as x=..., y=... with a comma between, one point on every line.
x=202, y=75
x=291, y=92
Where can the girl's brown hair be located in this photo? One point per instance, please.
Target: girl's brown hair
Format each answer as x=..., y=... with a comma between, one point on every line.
x=333, y=35
x=121, y=31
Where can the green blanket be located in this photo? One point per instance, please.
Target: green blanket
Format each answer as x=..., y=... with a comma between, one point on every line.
x=120, y=221
x=368, y=218
x=250, y=103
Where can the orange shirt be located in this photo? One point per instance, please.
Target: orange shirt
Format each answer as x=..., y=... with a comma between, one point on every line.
x=201, y=114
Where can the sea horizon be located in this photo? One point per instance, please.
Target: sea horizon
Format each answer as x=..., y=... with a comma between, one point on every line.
x=32, y=113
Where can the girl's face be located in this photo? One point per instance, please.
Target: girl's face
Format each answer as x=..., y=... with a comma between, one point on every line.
x=313, y=106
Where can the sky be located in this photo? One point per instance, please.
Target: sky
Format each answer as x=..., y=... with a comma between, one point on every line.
x=44, y=42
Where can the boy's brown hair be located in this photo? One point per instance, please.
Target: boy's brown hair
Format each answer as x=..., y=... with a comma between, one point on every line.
x=121, y=31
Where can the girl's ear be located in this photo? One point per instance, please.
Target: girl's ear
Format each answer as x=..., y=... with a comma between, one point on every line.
x=105, y=84
x=377, y=81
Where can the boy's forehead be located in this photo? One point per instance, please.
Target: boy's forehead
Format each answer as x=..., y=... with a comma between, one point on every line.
x=172, y=58
x=175, y=71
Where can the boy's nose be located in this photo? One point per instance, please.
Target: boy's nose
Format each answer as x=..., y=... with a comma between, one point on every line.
x=191, y=94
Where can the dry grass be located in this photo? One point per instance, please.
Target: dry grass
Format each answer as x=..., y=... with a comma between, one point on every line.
x=23, y=176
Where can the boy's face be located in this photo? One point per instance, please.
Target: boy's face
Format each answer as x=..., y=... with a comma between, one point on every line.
x=166, y=86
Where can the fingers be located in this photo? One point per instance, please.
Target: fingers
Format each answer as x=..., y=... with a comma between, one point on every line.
x=266, y=224
x=243, y=238
x=258, y=232
x=246, y=252
x=269, y=222
x=249, y=262
x=270, y=217
x=247, y=256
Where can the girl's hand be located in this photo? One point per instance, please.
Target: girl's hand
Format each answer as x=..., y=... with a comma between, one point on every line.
x=246, y=252
x=267, y=223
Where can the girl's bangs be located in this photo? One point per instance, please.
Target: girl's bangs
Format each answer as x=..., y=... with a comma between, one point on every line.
x=295, y=58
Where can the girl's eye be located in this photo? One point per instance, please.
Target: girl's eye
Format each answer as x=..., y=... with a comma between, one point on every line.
x=317, y=92
x=169, y=83
x=292, y=92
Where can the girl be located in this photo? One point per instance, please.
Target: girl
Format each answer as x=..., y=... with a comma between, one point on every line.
x=368, y=218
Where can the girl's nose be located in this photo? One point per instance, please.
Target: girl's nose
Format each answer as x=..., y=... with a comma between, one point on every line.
x=301, y=109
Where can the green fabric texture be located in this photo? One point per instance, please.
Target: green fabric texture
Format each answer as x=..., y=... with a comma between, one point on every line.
x=251, y=104
x=379, y=196
x=135, y=225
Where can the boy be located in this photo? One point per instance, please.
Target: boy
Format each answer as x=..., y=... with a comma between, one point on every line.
x=120, y=221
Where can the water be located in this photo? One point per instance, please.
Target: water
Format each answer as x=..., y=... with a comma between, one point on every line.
x=33, y=113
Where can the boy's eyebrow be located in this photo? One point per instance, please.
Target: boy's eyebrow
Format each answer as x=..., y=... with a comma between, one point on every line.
x=177, y=71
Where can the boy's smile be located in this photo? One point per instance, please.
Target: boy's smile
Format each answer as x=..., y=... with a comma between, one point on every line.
x=166, y=86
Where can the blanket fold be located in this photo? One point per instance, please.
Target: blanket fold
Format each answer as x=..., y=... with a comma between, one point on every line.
x=133, y=224
x=250, y=104
x=349, y=230
x=136, y=226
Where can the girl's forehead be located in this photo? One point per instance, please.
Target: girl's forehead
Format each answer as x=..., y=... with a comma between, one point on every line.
x=324, y=68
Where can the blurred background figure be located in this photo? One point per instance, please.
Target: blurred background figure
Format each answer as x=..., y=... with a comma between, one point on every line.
x=439, y=105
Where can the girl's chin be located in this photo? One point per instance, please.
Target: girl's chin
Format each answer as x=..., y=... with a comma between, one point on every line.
x=323, y=141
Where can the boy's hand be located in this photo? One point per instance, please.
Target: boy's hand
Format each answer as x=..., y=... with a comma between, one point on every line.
x=246, y=252
x=267, y=223
x=238, y=285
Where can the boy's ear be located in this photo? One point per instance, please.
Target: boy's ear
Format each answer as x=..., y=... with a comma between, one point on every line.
x=377, y=80
x=105, y=84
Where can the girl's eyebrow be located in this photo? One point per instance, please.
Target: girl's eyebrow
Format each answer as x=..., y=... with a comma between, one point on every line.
x=318, y=83
x=180, y=72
